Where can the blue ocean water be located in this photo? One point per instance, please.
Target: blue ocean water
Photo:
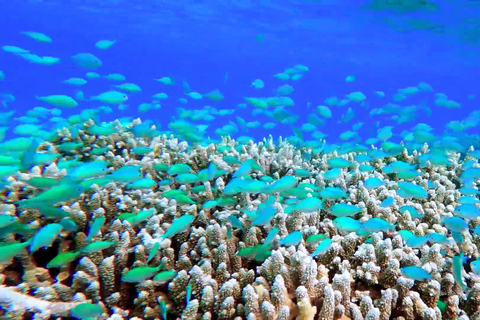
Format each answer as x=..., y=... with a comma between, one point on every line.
x=225, y=45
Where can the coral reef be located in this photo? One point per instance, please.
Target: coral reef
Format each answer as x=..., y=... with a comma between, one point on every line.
x=224, y=268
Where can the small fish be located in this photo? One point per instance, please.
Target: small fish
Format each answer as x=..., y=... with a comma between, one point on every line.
x=259, y=252
x=283, y=184
x=178, y=225
x=6, y=220
x=315, y=238
x=311, y=204
x=322, y=247
x=411, y=190
x=105, y=44
x=188, y=294
x=292, y=239
x=271, y=236
x=413, y=212
x=455, y=223
x=417, y=242
x=163, y=310
x=63, y=259
x=59, y=100
x=373, y=183
x=344, y=210
x=332, y=193
x=38, y=36
x=438, y=238
x=111, y=97
x=235, y=222
x=387, y=202
x=95, y=227
x=457, y=266
x=10, y=250
x=415, y=273
x=87, y=60
x=140, y=274
x=212, y=171
x=97, y=246
x=347, y=224
x=153, y=251
x=467, y=211
x=45, y=236
x=164, y=276
x=86, y=310
x=475, y=266
x=377, y=225
x=458, y=237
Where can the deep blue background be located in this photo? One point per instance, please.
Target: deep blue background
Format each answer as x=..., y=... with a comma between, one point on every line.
x=200, y=41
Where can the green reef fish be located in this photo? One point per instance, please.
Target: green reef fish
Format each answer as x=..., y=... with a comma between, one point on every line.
x=344, y=210
x=140, y=274
x=178, y=225
x=457, y=266
x=59, y=193
x=97, y=246
x=111, y=97
x=10, y=250
x=59, y=100
x=153, y=252
x=86, y=310
x=38, y=36
x=104, y=44
x=63, y=259
x=164, y=276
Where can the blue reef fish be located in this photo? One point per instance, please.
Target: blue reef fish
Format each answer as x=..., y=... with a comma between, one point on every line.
x=332, y=193
x=415, y=273
x=307, y=205
x=344, y=210
x=413, y=212
x=387, y=202
x=373, y=183
x=455, y=223
x=417, y=242
x=322, y=247
x=292, y=239
x=467, y=211
x=95, y=227
x=377, y=225
x=271, y=236
x=411, y=190
x=45, y=236
x=283, y=184
x=347, y=224
x=87, y=60
x=475, y=266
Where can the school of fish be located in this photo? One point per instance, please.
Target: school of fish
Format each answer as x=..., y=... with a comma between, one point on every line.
x=122, y=219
